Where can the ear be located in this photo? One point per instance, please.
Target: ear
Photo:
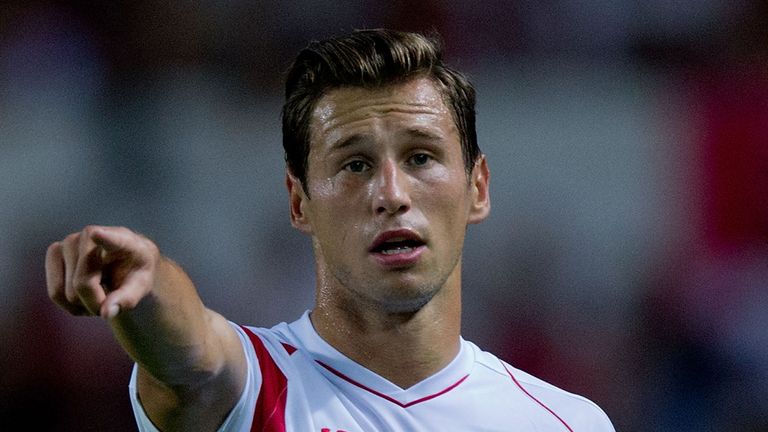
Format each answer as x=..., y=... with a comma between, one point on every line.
x=297, y=201
x=481, y=198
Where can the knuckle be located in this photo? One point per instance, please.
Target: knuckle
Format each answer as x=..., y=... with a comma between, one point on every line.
x=53, y=248
x=71, y=239
x=151, y=248
x=147, y=248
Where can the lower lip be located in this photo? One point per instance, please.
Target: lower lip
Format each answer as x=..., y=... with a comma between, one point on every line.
x=405, y=259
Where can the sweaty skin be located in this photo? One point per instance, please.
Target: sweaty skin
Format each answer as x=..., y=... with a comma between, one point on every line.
x=390, y=202
x=386, y=160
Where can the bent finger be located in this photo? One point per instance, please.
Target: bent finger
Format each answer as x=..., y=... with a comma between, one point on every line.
x=69, y=251
x=88, y=272
x=54, y=270
x=55, y=273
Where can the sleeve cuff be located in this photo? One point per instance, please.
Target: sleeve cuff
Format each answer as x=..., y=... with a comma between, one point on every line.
x=238, y=420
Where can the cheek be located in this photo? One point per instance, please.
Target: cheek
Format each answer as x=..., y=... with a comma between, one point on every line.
x=322, y=189
x=445, y=191
x=333, y=209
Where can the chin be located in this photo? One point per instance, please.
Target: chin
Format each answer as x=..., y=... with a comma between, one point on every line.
x=408, y=302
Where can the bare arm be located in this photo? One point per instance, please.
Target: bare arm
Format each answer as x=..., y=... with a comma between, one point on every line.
x=192, y=367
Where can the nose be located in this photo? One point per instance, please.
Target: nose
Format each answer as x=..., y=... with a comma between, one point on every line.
x=391, y=195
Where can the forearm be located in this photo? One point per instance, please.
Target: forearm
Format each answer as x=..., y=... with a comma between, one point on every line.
x=169, y=331
x=189, y=356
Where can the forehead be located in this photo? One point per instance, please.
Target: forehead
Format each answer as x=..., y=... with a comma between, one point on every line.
x=416, y=103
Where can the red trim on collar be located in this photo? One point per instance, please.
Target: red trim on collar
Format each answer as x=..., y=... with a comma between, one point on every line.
x=389, y=398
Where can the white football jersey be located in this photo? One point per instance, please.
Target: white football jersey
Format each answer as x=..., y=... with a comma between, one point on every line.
x=298, y=382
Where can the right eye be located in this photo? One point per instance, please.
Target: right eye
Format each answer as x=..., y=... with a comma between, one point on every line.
x=356, y=166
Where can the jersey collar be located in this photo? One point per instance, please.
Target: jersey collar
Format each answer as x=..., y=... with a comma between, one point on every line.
x=340, y=367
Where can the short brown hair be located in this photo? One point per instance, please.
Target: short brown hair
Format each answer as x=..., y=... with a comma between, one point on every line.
x=369, y=59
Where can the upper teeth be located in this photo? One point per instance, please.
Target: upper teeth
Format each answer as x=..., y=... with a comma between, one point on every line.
x=396, y=250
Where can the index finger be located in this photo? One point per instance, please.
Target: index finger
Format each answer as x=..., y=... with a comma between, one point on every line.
x=113, y=239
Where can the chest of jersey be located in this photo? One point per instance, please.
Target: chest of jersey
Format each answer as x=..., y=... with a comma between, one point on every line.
x=320, y=398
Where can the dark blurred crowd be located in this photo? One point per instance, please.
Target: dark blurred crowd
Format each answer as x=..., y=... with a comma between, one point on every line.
x=626, y=257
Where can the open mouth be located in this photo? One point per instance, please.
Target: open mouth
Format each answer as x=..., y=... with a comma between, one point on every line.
x=396, y=242
x=397, y=247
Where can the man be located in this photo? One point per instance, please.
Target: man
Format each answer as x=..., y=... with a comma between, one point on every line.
x=384, y=174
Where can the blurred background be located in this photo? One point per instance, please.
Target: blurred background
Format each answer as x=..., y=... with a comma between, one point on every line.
x=625, y=258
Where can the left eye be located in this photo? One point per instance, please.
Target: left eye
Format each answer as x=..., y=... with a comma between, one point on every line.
x=356, y=166
x=420, y=159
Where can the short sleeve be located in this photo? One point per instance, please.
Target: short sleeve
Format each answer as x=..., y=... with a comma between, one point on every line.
x=241, y=416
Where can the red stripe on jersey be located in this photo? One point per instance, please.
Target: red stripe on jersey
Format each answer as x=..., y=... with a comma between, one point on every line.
x=290, y=349
x=389, y=398
x=536, y=400
x=270, y=405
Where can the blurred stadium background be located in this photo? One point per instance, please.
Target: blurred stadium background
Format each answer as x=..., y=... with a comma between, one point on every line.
x=626, y=256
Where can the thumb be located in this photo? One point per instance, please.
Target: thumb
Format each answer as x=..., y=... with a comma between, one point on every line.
x=110, y=308
x=132, y=291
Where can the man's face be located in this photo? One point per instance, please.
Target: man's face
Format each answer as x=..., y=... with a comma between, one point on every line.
x=389, y=197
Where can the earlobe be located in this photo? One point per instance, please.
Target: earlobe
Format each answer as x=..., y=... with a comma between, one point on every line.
x=297, y=201
x=481, y=198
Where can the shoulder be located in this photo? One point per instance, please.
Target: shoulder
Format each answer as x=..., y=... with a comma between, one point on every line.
x=268, y=355
x=574, y=411
x=274, y=342
x=269, y=352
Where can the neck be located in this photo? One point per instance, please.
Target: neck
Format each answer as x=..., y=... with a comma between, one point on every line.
x=403, y=347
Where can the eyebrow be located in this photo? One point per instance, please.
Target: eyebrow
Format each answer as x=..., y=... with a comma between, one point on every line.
x=423, y=134
x=350, y=141
x=360, y=139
